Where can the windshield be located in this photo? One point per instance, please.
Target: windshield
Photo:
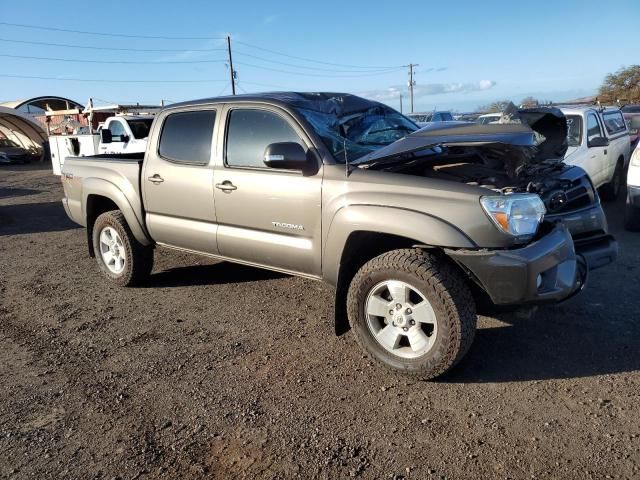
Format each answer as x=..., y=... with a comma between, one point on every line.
x=5, y=142
x=361, y=132
x=140, y=127
x=574, y=130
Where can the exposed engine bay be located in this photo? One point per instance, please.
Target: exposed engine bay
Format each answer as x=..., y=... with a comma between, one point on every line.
x=522, y=154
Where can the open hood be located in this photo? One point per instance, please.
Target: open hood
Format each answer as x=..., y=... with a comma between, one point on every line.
x=537, y=133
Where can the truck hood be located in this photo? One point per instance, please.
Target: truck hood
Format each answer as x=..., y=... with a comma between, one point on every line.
x=538, y=133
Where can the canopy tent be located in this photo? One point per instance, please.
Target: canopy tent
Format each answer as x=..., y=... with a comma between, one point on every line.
x=23, y=130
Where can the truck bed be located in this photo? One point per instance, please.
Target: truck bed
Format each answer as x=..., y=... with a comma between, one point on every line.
x=103, y=172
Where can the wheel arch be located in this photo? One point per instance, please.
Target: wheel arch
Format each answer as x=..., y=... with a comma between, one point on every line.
x=99, y=196
x=380, y=230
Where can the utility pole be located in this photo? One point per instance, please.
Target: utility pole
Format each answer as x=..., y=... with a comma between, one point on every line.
x=411, y=82
x=231, y=70
x=400, y=102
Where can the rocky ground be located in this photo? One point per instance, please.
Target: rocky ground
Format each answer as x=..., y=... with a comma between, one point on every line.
x=222, y=371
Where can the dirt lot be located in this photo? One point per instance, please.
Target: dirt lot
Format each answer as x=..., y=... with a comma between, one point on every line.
x=230, y=372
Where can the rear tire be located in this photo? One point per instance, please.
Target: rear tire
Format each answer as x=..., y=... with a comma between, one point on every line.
x=412, y=312
x=610, y=191
x=631, y=216
x=121, y=258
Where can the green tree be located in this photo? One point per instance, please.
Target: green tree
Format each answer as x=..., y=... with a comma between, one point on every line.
x=623, y=85
x=494, y=107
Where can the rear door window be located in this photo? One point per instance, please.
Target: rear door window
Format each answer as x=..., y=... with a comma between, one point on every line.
x=614, y=122
x=186, y=137
x=249, y=133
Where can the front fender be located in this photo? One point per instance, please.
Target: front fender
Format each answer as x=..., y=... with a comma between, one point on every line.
x=417, y=226
x=132, y=213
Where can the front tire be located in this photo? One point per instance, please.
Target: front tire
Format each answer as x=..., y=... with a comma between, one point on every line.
x=412, y=312
x=121, y=258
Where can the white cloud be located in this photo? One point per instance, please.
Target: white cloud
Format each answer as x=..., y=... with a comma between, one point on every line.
x=270, y=19
x=424, y=90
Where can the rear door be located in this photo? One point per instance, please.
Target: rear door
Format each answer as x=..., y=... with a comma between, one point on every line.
x=266, y=216
x=178, y=180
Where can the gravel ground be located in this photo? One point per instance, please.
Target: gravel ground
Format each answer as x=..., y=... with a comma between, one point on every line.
x=224, y=371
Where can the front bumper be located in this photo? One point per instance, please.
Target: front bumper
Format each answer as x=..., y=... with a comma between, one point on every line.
x=546, y=270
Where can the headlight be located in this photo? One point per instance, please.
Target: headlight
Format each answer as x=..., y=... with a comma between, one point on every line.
x=635, y=158
x=516, y=214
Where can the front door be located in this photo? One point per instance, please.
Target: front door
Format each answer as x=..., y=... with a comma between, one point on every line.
x=266, y=216
x=178, y=181
x=597, y=156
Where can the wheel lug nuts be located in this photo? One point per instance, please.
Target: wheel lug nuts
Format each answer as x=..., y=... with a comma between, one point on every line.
x=408, y=311
x=398, y=306
x=405, y=329
x=412, y=322
x=390, y=312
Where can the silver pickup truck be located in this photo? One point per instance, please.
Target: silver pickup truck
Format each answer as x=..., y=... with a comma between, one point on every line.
x=413, y=227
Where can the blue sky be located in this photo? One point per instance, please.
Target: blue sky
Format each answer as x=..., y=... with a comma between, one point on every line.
x=469, y=52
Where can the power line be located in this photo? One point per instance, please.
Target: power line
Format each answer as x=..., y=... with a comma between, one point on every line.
x=312, y=68
x=104, y=34
x=88, y=47
x=106, y=80
x=305, y=74
x=316, y=61
x=127, y=62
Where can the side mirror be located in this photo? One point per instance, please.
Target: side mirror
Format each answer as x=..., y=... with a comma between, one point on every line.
x=634, y=123
x=598, y=142
x=286, y=155
x=105, y=136
x=124, y=138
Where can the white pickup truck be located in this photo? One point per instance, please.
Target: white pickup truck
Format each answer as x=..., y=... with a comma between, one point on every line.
x=599, y=143
x=120, y=134
x=125, y=134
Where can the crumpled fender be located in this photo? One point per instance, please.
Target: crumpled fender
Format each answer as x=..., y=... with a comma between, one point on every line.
x=424, y=229
x=98, y=186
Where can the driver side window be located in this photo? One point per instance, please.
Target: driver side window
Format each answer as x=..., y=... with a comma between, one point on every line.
x=593, y=127
x=249, y=131
x=117, y=131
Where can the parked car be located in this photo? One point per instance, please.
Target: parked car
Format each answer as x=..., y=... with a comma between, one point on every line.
x=599, y=143
x=632, y=116
x=11, y=152
x=488, y=118
x=632, y=208
x=423, y=119
x=411, y=226
x=467, y=117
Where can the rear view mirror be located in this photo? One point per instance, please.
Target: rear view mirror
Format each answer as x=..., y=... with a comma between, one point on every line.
x=287, y=155
x=105, y=136
x=598, y=142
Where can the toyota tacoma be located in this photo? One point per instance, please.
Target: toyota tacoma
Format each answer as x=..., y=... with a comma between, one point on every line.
x=412, y=227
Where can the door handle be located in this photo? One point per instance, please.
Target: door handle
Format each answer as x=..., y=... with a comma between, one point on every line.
x=226, y=186
x=156, y=179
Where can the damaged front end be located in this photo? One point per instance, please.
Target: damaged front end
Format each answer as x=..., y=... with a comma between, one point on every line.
x=523, y=154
